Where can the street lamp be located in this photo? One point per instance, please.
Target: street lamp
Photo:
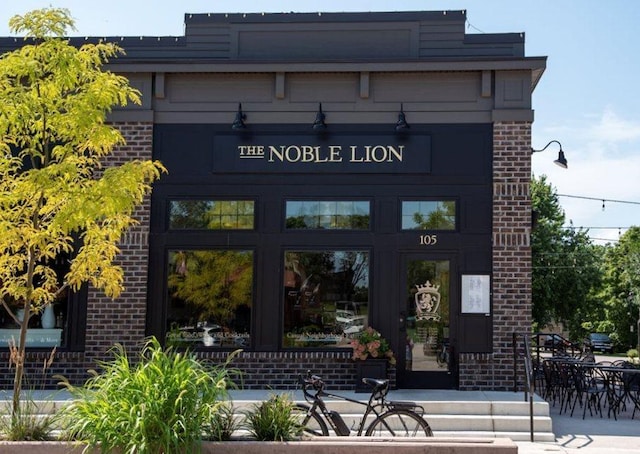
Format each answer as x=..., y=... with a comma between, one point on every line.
x=561, y=161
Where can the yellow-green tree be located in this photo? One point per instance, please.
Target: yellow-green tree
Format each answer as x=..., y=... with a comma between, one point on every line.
x=55, y=197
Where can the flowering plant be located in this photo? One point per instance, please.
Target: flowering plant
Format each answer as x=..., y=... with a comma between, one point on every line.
x=370, y=343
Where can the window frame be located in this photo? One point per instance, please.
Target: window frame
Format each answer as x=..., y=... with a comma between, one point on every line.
x=167, y=299
x=320, y=200
x=171, y=200
x=317, y=249
x=456, y=222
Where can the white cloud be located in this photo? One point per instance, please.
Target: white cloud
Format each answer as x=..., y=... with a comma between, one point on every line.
x=613, y=128
x=604, y=163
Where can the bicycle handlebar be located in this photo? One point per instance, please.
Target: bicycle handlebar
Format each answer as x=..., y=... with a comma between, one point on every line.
x=311, y=382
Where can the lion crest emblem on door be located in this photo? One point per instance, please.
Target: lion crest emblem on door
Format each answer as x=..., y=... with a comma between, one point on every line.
x=427, y=301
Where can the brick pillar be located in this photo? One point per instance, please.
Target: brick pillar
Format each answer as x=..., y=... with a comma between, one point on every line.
x=511, y=284
x=122, y=320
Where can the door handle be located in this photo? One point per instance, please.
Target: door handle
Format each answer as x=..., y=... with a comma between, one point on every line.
x=402, y=320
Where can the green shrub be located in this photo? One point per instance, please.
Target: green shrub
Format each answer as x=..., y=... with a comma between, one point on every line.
x=273, y=420
x=26, y=424
x=161, y=405
x=633, y=353
x=222, y=424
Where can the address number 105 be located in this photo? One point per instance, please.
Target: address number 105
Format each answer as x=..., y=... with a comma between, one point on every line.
x=428, y=240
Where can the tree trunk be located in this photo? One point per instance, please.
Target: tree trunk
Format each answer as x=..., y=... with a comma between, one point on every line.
x=18, y=357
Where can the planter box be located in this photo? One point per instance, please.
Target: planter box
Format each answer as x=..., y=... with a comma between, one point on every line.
x=323, y=445
x=369, y=368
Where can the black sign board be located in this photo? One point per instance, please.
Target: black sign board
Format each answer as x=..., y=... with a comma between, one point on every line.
x=339, y=153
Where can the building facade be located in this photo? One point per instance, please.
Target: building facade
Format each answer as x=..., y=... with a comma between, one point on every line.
x=326, y=173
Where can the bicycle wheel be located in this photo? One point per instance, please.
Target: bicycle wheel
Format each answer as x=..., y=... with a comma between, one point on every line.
x=310, y=422
x=399, y=423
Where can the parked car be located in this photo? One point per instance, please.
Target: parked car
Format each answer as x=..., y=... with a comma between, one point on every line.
x=555, y=342
x=355, y=324
x=599, y=341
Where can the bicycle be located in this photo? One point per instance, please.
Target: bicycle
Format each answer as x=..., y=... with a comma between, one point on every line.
x=443, y=354
x=390, y=418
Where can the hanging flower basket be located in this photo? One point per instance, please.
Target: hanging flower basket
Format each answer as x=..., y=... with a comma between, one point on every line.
x=372, y=354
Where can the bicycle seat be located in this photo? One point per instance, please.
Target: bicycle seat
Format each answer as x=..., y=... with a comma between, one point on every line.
x=375, y=382
x=380, y=386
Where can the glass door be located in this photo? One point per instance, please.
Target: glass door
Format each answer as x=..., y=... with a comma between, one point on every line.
x=426, y=326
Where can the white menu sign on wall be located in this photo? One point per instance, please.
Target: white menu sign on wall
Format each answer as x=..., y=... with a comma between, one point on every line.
x=476, y=294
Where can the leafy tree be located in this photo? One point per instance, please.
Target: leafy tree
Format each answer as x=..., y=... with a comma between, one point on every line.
x=565, y=265
x=55, y=197
x=621, y=292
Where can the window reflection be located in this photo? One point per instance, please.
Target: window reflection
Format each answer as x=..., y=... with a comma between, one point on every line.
x=428, y=215
x=326, y=297
x=210, y=298
x=50, y=326
x=327, y=214
x=211, y=214
x=428, y=315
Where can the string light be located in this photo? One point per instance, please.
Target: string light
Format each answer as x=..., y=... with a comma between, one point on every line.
x=599, y=199
x=619, y=229
x=604, y=201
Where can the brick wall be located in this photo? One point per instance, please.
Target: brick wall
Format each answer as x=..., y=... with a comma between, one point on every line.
x=122, y=320
x=280, y=370
x=109, y=321
x=511, y=284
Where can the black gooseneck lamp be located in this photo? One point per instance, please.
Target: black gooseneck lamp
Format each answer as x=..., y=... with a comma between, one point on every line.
x=319, y=125
x=238, y=122
x=561, y=161
x=402, y=124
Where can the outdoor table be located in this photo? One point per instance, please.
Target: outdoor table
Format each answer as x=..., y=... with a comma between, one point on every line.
x=620, y=385
x=571, y=381
x=624, y=386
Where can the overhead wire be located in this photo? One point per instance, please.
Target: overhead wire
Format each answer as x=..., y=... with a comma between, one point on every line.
x=604, y=201
x=599, y=199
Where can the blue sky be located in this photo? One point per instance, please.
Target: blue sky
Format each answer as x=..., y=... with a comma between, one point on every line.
x=588, y=98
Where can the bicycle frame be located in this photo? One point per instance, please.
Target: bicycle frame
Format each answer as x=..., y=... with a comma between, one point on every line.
x=376, y=405
x=371, y=409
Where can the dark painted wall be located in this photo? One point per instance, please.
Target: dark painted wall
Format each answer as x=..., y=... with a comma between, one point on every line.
x=459, y=167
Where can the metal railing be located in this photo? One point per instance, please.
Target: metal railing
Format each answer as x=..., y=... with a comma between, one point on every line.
x=524, y=361
x=523, y=354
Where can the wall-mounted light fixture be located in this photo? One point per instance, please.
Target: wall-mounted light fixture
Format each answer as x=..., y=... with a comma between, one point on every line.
x=238, y=123
x=319, y=124
x=402, y=124
x=561, y=161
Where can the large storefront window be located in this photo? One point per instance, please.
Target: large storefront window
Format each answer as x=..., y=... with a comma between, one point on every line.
x=428, y=215
x=326, y=297
x=211, y=214
x=210, y=295
x=328, y=214
x=57, y=325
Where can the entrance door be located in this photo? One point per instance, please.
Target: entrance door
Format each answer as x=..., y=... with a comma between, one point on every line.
x=427, y=327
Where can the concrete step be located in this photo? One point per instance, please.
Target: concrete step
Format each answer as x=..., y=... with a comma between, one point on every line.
x=502, y=415
x=476, y=425
x=486, y=415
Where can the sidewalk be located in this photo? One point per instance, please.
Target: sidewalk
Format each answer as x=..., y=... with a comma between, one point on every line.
x=593, y=435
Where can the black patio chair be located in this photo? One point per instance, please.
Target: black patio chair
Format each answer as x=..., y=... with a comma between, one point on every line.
x=631, y=384
x=590, y=387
